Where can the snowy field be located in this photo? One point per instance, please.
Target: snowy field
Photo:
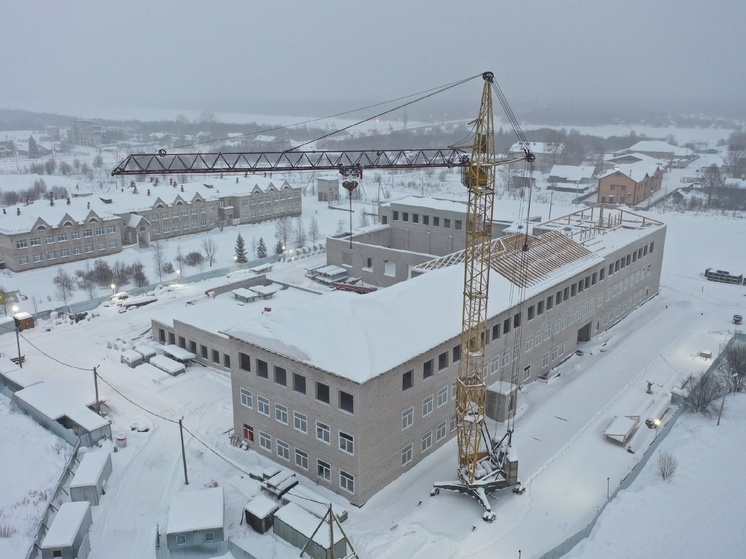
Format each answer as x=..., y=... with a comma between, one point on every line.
x=564, y=459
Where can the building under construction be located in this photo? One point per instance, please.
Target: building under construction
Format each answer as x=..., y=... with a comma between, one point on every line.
x=354, y=390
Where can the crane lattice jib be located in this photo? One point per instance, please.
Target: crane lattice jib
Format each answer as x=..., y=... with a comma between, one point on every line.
x=163, y=163
x=479, y=178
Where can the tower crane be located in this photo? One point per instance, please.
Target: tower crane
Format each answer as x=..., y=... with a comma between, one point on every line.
x=484, y=464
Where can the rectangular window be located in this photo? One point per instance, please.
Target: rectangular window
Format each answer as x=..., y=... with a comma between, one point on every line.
x=180, y=540
x=281, y=376
x=406, y=454
x=396, y=216
x=322, y=392
x=323, y=470
x=442, y=360
x=407, y=418
x=299, y=383
x=425, y=220
x=346, y=402
x=530, y=313
x=442, y=396
x=427, y=406
x=516, y=320
x=456, y=354
x=427, y=441
x=436, y=221
x=300, y=422
x=262, y=405
x=545, y=360
x=248, y=433
x=446, y=223
x=440, y=431
x=406, y=380
x=246, y=398
x=262, y=370
x=244, y=361
x=226, y=361
x=209, y=537
x=526, y=373
x=346, y=443
x=529, y=343
x=281, y=414
x=405, y=216
x=265, y=441
x=453, y=390
x=506, y=358
x=215, y=356
x=427, y=369
x=323, y=433
x=415, y=218
x=283, y=450
x=457, y=224
x=506, y=326
x=347, y=481
x=496, y=331
x=301, y=459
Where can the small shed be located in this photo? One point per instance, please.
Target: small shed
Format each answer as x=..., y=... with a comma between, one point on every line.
x=266, y=291
x=312, y=502
x=177, y=353
x=25, y=320
x=244, y=295
x=621, y=428
x=131, y=357
x=295, y=526
x=68, y=534
x=93, y=471
x=259, y=513
x=196, y=518
x=168, y=365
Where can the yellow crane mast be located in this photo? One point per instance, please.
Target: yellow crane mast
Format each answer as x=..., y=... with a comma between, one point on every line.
x=484, y=465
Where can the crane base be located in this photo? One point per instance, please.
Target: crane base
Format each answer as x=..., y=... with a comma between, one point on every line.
x=479, y=490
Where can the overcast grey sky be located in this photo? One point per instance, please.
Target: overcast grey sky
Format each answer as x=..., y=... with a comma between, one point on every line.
x=88, y=58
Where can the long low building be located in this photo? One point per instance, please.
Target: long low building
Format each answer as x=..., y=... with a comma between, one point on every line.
x=354, y=390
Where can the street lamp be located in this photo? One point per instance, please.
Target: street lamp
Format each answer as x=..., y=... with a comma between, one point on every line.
x=113, y=289
x=18, y=337
x=178, y=274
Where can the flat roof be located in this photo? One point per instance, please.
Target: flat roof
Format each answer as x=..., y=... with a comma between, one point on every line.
x=196, y=510
x=305, y=523
x=178, y=352
x=167, y=364
x=90, y=468
x=261, y=506
x=66, y=525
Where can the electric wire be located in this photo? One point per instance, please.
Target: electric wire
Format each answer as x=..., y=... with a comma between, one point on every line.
x=425, y=93
x=25, y=339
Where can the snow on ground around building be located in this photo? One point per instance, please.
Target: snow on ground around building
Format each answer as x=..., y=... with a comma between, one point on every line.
x=564, y=460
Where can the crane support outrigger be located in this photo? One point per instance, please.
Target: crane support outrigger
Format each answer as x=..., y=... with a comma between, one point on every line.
x=485, y=465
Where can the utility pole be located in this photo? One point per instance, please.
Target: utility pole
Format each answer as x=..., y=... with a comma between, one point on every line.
x=183, y=453
x=95, y=385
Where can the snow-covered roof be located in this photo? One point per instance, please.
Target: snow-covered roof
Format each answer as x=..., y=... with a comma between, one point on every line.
x=90, y=468
x=178, y=352
x=659, y=146
x=166, y=364
x=306, y=523
x=57, y=398
x=636, y=171
x=572, y=173
x=201, y=509
x=66, y=524
x=261, y=506
x=637, y=157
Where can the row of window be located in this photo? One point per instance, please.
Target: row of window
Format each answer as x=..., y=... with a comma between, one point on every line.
x=65, y=253
x=426, y=440
x=63, y=237
x=345, y=400
x=185, y=212
x=269, y=199
x=300, y=420
x=184, y=226
x=415, y=218
x=270, y=211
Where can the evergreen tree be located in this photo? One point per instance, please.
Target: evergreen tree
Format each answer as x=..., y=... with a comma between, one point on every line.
x=33, y=148
x=261, y=250
x=279, y=248
x=240, y=250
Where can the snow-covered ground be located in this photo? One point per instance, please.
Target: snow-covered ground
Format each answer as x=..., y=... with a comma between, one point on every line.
x=564, y=459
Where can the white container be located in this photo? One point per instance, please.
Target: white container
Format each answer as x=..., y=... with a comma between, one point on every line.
x=121, y=440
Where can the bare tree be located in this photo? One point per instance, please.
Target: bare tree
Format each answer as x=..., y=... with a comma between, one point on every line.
x=313, y=230
x=210, y=248
x=734, y=358
x=283, y=227
x=735, y=158
x=65, y=285
x=299, y=232
x=158, y=259
x=666, y=466
x=254, y=245
x=705, y=390
x=4, y=302
x=363, y=221
x=711, y=181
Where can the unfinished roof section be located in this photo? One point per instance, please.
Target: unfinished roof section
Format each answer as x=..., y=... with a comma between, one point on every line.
x=557, y=245
x=547, y=255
